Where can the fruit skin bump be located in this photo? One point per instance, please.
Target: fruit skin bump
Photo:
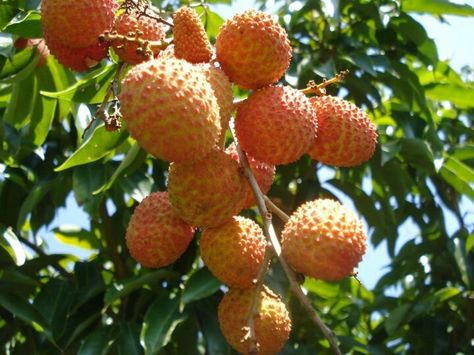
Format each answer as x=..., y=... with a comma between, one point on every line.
x=208, y=192
x=324, y=240
x=134, y=23
x=156, y=237
x=190, y=37
x=263, y=173
x=170, y=109
x=75, y=23
x=346, y=136
x=276, y=124
x=234, y=251
x=272, y=325
x=253, y=49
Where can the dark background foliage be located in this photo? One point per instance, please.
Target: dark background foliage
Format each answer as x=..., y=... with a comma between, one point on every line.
x=423, y=167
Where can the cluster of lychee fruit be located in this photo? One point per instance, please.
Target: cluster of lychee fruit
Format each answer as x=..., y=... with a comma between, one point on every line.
x=177, y=102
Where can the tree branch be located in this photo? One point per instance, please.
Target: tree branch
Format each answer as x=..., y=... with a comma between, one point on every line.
x=270, y=233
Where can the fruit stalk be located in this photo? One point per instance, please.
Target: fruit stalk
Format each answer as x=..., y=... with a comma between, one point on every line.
x=272, y=238
x=320, y=89
x=275, y=209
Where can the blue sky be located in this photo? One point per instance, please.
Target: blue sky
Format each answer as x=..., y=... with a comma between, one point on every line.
x=454, y=41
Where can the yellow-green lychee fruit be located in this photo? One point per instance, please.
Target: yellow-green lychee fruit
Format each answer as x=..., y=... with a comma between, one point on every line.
x=77, y=23
x=169, y=107
x=234, y=251
x=77, y=59
x=272, y=325
x=156, y=237
x=263, y=173
x=276, y=124
x=346, y=136
x=137, y=25
x=223, y=91
x=253, y=49
x=207, y=192
x=324, y=240
x=189, y=37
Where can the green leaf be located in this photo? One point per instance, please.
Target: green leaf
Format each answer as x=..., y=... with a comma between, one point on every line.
x=469, y=243
x=212, y=22
x=128, y=342
x=90, y=89
x=100, y=143
x=459, y=176
x=22, y=309
x=53, y=302
x=119, y=289
x=417, y=152
x=34, y=197
x=15, y=249
x=437, y=7
x=161, y=319
x=135, y=153
x=397, y=318
x=27, y=25
x=85, y=180
x=22, y=102
x=96, y=343
x=321, y=288
x=201, y=284
x=76, y=236
x=462, y=97
x=20, y=67
x=7, y=12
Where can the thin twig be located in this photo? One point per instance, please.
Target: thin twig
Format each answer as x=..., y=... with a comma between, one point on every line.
x=270, y=233
x=320, y=90
x=111, y=122
x=143, y=9
x=275, y=209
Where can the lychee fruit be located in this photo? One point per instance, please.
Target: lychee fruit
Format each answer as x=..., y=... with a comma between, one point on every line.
x=276, y=124
x=169, y=107
x=263, y=173
x=253, y=49
x=272, y=325
x=78, y=59
x=76, y=24
x=223, y=91
x=139, y=26
x=189, y=37
x=346, y=136
x=207, y=192
x=156, y=237
x=234, y=251
x=324, y=240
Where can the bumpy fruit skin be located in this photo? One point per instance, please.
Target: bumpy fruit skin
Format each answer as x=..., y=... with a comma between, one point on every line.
x=324, y=240
x=155, y=236
x=234, y=251
x=208, y=192
x=263, y=172
x=131, y=22
x=78, y=59
x=253, y=49
x=346, y=136
x=75, y=23
x=272, y=326
x=189, y=37
x=276, y=124
x=170, y=109
x=223, y=91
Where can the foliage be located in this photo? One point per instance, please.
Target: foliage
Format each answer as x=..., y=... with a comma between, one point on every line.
x=423, y=170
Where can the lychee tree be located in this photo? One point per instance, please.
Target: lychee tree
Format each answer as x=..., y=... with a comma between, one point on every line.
x=209, y=157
